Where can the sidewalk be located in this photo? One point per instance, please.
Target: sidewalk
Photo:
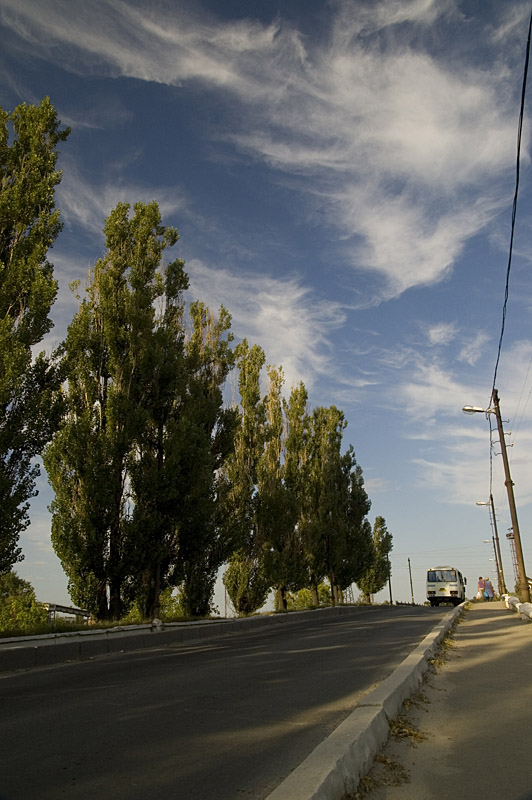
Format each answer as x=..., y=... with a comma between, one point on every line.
x=476, y=715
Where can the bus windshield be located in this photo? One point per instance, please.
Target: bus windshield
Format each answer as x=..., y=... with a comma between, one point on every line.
x=436, y=575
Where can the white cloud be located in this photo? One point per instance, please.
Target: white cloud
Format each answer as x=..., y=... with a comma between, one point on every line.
x=382, y=15
x=455, y=455
x=433, y=392
x=292, y=326
x=88, y=204
x=402, y=146
x=473, y=350
x=442, y=333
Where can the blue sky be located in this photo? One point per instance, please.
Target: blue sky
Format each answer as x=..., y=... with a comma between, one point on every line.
x=341, y=175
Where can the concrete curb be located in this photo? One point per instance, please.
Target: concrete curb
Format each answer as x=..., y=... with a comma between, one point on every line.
x=30, y=652
x=514, y=604
x=334, y=769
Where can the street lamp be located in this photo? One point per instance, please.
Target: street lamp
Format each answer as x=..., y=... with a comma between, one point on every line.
x=496, y=546
x=523, y=589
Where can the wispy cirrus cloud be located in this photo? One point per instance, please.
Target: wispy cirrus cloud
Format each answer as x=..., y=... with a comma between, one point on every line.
x=453, y=449
x=292, y=326
x=472, y=351
x=442, y=333
x=400, y=148
x=88, y=203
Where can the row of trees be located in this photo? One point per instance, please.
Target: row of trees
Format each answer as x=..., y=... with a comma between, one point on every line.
x=157, y=482
x=300, y=504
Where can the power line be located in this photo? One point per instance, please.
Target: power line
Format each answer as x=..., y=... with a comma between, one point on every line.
x=514, y=205
x=516, y=427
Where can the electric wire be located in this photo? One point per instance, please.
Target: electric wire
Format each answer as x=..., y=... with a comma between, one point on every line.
x=510, y=253
x=516, y=427
x=514, y=204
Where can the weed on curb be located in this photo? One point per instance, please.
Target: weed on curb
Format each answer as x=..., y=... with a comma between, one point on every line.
x=392, y=774
x=443, y=653
x=401, y=728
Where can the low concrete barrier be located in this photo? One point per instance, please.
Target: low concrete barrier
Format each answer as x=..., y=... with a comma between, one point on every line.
x=514, y=604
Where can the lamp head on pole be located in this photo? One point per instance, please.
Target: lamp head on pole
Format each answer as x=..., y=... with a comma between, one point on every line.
x=473, y=410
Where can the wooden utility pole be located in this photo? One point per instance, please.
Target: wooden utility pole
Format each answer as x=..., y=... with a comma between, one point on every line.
x=523, y=588
x=498, y=559
x=411, y=584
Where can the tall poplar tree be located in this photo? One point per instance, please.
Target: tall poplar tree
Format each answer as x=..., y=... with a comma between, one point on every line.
x=354, y=545
x=378, y=570
x=204, y=545
x=29, y=225
x=332, y=503
x=109, y=361
x=184, y=440
x=245, y=578
x=322, y=504
x=277, y=510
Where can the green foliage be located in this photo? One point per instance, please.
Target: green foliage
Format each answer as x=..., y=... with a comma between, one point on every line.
x=170, y=608
x=303, y=598
x=246, y=583
x=245, y=580
x=379, y=570
x=185, y=437
x=333, y=504
x=207, y=441
x=134, y=465
x=19, y=610
x=298, y=503
x=156, y=484
x=354, y=545
x=276, y=506
x=29, y=224
x=111, y=369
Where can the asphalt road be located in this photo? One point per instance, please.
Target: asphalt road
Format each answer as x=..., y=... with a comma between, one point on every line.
x=218, y=719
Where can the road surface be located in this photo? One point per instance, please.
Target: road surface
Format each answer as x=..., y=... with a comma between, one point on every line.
x=217, y=719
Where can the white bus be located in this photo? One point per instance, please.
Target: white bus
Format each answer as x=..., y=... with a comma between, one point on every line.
x=445, y=585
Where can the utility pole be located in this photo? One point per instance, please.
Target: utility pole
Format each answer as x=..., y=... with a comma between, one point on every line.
x=389, y=578
x=498, y=559
x=523, y=589
x=411, y=584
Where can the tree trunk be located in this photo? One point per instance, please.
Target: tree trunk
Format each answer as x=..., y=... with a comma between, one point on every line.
x=315, y=595
x=280, y=599
x=103, y=608
x=339, y=595
x=115, y=600
x=156, y=605
x=332, y=584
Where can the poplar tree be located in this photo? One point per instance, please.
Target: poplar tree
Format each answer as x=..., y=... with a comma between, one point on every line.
x=379, y=569
x=186, y=437
x=278, y=503
x=152, y=461
x=332, y=503
x=354, y=545
x=29, y=225
x=245, y=578
x=322, y=512
x=209, y=427
x=109, y=362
